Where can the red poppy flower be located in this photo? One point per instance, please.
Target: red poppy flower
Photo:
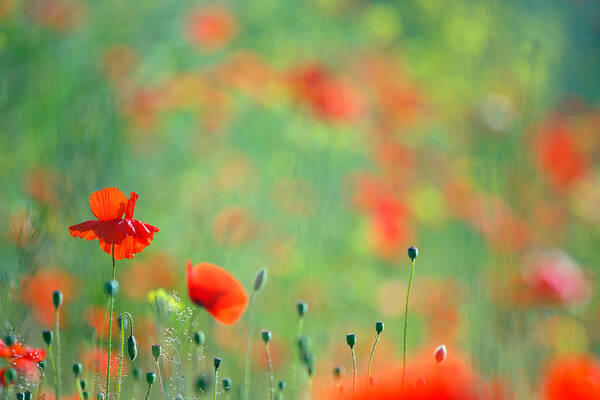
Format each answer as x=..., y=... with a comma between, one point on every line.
x=23, y=359
x=211, y=28
x=218, y=291
x=574, y=377
x=97, y=361
x=127, y=235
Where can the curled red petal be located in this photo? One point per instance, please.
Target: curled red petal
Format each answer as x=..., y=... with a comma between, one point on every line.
x=108, y=203
x=85, y=230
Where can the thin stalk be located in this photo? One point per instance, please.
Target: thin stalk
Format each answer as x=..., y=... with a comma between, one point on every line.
x=295, y=370
x=412, y=273
x=54, y=370
x=148, y=393
x=41, y=385
x=216, y=383
x=58, y=347
x=78, y=387
x=162, y=389
x=270, y=365
x=110, y=318
x=246, y=389
x=371, y=360
x=121, y=356
x=353, y=372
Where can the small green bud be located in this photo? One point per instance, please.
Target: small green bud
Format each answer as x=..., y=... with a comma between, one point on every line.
x=266, y=336
x=199, y=338
x=42, y=365
x=28, y=395
x=77, y=368
x=10, y=340
x=281, y=385
x=379, y=327
x=10, y=375
x=302, y=308
x=48, y=337
x=100, y=396
x=337, y=372
x=86, y=395
x=137, y=372
x=413, y=252
x=217, y=362
x=260, y=279
x=202, y=383
x=351, y=339
x=57, y=298
x=150, y=378
x=111, y=288
x=132, y=348
x=227, y=384
x=20, y=396
x=156, y=351
x=83, y=384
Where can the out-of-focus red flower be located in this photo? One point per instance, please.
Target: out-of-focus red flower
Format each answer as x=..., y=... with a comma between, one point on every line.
x=59, y=15
x=217, y=291
x=96, y=318
x=97, y=361
x=390, y=227
x=560, y=157
x=329, y=97
x=551, y=277
x=24, y=359
x=233, y=226
x=156, y=273
x=248, y=73
x=572, y=377
x=41, y=184
x=126, y=235
x=211, y=28
x=36, y=292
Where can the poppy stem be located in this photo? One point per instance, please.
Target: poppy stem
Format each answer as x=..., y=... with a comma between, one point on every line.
x=110, y=318
x=246, y=389
x=78, y=387
x=270, y=366
x=216, y=383
x=148, y=393
x=57, y=331
x=41, y=385
x=296, y=368
x=371, y=360
x=410, y=279
x=121, y=354
x=162, y=389
x=353, y=372
x=53, y=370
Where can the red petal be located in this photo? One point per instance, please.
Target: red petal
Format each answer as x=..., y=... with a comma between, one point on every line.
x=133, y=196
x=84, y=230
x=108, y=203
x=218, y=291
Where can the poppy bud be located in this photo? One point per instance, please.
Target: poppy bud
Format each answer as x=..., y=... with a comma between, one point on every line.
x=28, y=395
x=307, y=358
x=100, y=396
x=351, y=339
x=83, y=384
x=440, y=353
x=57, y=298
x=122, y=322
x=77, y=368
x=137, y=372
x=266, y=336
x=132, y=348
x=42, y=365
x=217, y=362
x=227, y=384
x=303, y=342
x=261, y=278
x=9, y=340
x=48, y=337
x=199, y=338
x=379, y=327
x=202, y=383
x=10, y=374
x=111, y=288
x=337, y=372
x=302, y=308
x=310, y=370
x=281, y=385
x=20, y=396
x=86, y=395
x=156, y=351
x=413, y=252
x=150, y=378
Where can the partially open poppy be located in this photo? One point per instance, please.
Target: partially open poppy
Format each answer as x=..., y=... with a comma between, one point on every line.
x=128, y=235
x=215, y=289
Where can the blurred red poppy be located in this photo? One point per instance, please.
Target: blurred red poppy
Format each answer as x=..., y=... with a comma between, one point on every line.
x=36, y=292
x=211, y=28
x=127, y=235
x=572, y=377
x=97, y=361
x=23, y=359
x=157, y=272
x=215, y=289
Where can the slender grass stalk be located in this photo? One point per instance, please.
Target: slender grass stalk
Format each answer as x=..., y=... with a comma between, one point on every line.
x=148, y=393
x=121, y=356
x=215, y=384
x=52, y=363
x=110, y=318
x=378, y=330
x=353, y=372
x=57, y=333
x=41, y=385
x=270, y=366
x=296, y=366
x=412, y=253
x=78, y=387
x=162, y=389
x=246, y=389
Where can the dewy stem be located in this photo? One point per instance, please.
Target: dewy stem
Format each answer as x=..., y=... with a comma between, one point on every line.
x=246, y=389
x=57, y=332
x=371, y=360
x=215, y=384
x=110, y=318
x=410, y=279
x=270, y=366
x=353, y=372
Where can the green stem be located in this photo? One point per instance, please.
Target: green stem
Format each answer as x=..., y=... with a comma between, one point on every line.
x=148, y=393
x=412, y=273
x=353, y=372
x=216, y=383
x=121, y=356
x=41, y=386
x=79, y=391
x=53, y=370
x=162, y=389
x=110, y=318
x=371, y=361
x=58, y=347
x=295, y=370
x=270, y=365
x=246, y=389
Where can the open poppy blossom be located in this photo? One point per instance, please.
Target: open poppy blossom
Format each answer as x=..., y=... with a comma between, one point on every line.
x=126, y=234
x=215, y=289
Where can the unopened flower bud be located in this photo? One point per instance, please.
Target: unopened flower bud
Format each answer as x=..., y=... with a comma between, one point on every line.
x=57, y=298
x=9, y=340
x=137, y=372
x=217, y=362
x=227, y=384
x=413, y=252
x=266, y=336
x=337, y=372
x=156, y=351
x=111, y=288
x=86, y=395
x=77, y=368
x=150, y=378
x=199, y=338
x=302, y=308
x=260, y=279
x=10, y=374
x=351, y=339
x=281, y=385
x=379, y=327
x=440, y=353
x=42, y=365
x=132, y=349
x=202, y=383
x=48, y=337
x=28, y=395
x=83, y=384
x=20, y=396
